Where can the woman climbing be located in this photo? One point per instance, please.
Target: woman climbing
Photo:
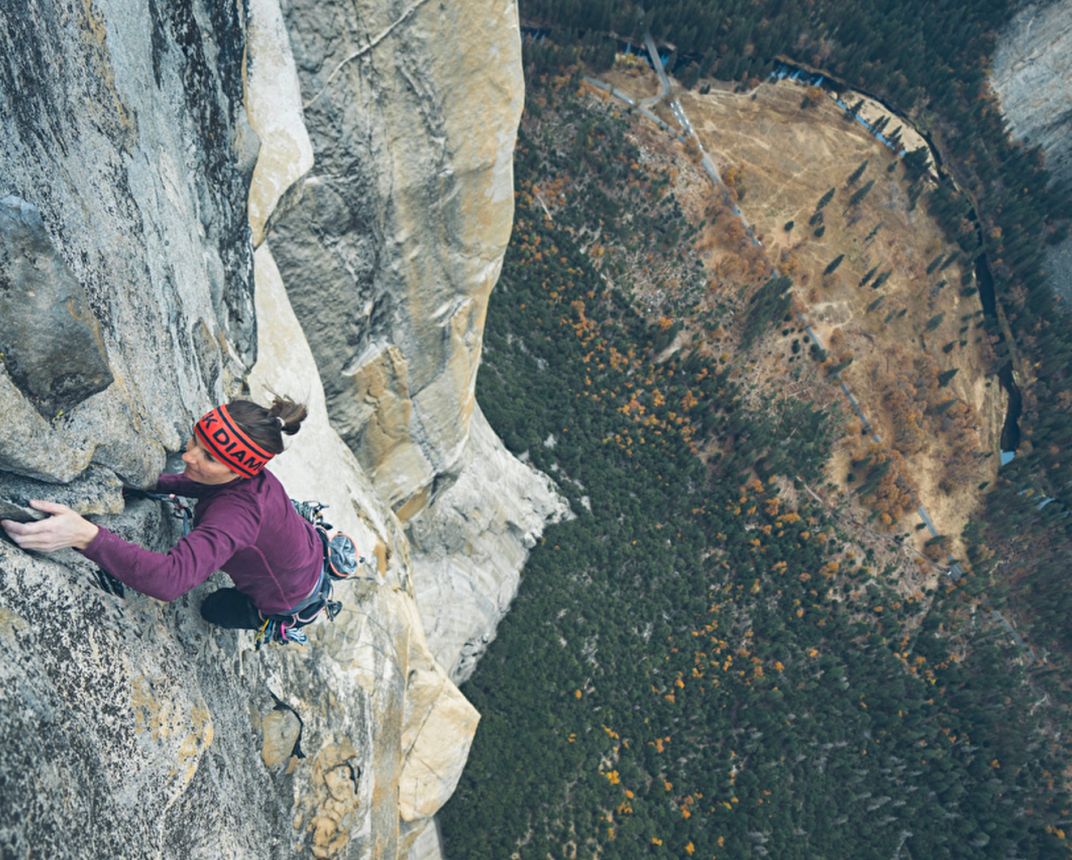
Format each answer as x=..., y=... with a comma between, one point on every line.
x=244, y=524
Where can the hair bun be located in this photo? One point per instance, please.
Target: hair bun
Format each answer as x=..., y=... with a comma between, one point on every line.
x=288, y=414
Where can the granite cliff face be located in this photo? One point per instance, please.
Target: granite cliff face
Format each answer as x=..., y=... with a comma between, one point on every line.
x=389, y=250
x=198, y=199
x=1031, y=75
x=470, y=544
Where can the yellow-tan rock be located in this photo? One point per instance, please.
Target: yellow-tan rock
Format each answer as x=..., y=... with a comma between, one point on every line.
x=223, y=248
x=391, y=244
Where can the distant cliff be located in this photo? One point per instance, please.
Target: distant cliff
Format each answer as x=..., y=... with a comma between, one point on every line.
x=198, y=200
x=1032, y=75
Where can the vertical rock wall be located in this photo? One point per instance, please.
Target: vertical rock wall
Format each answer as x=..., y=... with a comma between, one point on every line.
x=147, y=149
x=392, y=243
x=127, y=208
x=125, y=160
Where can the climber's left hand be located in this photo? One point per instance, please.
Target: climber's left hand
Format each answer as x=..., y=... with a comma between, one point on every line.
x=64, y=528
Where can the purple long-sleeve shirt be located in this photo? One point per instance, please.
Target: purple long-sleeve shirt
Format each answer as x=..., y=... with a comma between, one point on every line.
x=247, y=528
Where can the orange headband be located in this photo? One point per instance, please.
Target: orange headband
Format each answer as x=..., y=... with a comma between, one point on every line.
x=225, y=441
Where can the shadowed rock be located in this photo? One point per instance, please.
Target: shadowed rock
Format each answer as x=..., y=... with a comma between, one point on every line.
x=98, y=491
x=49, y=340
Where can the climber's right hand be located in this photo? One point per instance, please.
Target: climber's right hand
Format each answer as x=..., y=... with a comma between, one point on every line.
x=64, y=528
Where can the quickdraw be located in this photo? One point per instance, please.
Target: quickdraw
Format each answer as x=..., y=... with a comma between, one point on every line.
x=277, y=631
x=180, y=508
x=312, y=511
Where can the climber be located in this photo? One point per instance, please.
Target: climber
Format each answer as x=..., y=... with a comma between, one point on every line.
x=244, y=524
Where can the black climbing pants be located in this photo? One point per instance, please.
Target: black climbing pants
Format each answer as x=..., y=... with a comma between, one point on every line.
x=229, y=607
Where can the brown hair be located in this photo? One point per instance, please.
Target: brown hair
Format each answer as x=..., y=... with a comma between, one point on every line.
x=267, y=426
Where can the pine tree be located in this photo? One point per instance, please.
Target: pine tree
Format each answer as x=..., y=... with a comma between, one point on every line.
x=861, y=192
x=915, y=162
x=858, y=172
x=934, y=322
x=946, y=376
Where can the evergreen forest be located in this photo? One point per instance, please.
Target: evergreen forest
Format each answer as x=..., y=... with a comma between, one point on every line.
x=703, y=661
x=929, y=61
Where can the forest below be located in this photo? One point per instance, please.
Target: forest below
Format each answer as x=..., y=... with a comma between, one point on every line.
x=703, y=662
x=929, y=60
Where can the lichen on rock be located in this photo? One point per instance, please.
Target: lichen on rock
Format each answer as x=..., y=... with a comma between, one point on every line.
x=173, y=236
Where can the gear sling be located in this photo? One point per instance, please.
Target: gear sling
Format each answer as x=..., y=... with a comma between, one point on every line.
x=341, y=562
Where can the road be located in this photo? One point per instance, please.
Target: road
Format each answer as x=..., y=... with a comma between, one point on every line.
x=629, y=100
x=653, y=52
x=682, y=118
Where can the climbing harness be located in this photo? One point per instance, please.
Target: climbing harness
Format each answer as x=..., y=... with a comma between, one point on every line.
x=341, y=562
x=285, y=627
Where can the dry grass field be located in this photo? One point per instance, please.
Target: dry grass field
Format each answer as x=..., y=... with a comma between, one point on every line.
x=896, y=345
